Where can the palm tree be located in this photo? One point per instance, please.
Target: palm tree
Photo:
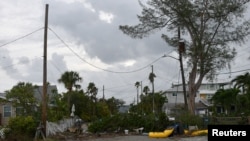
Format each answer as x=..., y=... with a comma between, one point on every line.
x=70, y=80
x=137, y=84
x=151, y=79
x=92, y=91
x=242, y=81
x=226, y=98
x=146, y=90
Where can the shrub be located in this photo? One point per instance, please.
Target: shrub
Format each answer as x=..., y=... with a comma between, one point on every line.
x=188, y=119
x=25, y=126
x=130, y=122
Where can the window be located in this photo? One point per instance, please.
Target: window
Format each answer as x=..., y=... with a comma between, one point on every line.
x=174, y=94
x=7, y=111
x=212, y=87
x=19, y=111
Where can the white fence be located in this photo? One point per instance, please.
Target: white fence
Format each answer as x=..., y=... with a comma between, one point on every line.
x=61, y=126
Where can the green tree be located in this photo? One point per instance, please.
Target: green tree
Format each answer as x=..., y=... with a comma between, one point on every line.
x=226, y=98
x=70, y=80
x=209, y=28
x=145, y=106
x=114, y=104
x=58, y=110
x=151, y=78
x=242, y=82
x=146, y=90
x=22, y=96
x=92, y=91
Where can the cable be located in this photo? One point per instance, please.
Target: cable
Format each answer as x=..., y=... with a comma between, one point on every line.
x=233, y=72
x=21, y=37
x=99, y=67
x=19, y=63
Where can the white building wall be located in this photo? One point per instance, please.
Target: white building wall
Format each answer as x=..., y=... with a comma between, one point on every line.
x=204, y=94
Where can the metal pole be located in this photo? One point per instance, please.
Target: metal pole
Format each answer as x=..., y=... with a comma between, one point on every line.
x=44, y=98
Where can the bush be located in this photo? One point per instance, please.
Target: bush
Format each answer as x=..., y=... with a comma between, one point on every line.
x=24, y=126
x=188, y=119
x=130, y=121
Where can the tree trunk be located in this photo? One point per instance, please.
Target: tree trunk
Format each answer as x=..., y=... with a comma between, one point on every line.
x=193, y=87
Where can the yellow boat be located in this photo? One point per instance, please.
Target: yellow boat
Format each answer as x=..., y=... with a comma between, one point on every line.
x=163, y=134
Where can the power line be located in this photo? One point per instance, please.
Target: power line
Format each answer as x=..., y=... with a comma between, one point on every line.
x=234, y=71
x=97, y=66
x=21, y=37
x=19, y=63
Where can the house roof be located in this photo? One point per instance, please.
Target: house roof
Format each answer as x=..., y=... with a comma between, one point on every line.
x=178, y=88
x=3, y=95
x=51, y=90
x=124, y=109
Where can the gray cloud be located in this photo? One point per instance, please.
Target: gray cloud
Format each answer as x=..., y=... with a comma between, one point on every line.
x=101, y=39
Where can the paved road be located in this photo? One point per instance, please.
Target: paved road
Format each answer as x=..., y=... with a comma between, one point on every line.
x=145, y=138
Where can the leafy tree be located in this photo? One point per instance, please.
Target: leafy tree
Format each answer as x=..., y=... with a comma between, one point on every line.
x=209, y=27
x=145, y=106
x=80, y=100
x=70, y=80
x=226, y=98
x=103, y=110
x=22, y=96
x=59, y=108
x=114, y=104
x=243, y=104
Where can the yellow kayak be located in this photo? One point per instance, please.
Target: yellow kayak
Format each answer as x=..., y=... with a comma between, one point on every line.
x=163, y=134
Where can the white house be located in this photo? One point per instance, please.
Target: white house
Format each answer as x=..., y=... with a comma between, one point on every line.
x=202, y=100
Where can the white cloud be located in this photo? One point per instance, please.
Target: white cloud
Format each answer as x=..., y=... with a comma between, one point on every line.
x=129, y=63
x=106, y=17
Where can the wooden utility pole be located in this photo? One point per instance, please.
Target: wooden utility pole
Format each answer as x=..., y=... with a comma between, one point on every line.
x=44, y=98
x=181, y=49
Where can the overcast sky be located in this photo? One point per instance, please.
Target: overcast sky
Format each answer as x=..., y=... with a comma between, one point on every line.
x=84, y=37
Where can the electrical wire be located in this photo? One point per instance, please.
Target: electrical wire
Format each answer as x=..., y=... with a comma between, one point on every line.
x=97, y=66
x=233, y=72
x=21, y=37
x=24, y=36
